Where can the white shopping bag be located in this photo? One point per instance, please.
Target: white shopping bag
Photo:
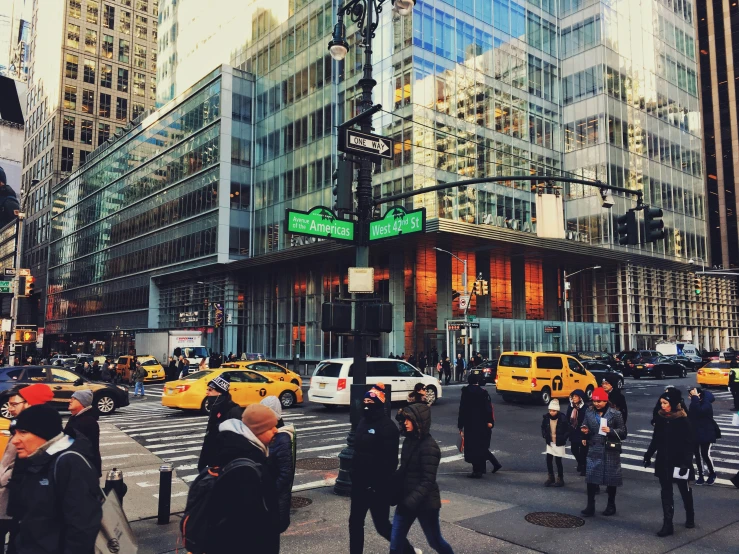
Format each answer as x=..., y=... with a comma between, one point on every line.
x=735, y=420
x=116, y=535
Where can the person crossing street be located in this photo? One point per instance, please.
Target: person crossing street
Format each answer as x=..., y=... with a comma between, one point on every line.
x=475, y=422
x=221, y=408
x=700, y=414
x=138, y=376
x=575, y=417
x=734, y=382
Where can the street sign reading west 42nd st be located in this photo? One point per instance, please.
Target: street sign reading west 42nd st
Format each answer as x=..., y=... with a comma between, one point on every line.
x=319, y=222
x=354, y=142
x=398, y=222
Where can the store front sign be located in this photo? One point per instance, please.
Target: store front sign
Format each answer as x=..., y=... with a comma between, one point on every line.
x=552, y=329
x=397, y=222
x=319, y=222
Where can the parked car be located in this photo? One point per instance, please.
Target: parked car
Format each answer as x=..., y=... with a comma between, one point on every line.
x=630, y=358
x=70, y=363
x=488, y=370
x=657, y=367
x=601, y=369
x=691, y=362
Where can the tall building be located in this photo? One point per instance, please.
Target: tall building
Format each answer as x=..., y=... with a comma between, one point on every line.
x=469, y=90
x=718, y=41
x=93, y=73
x=15, y=31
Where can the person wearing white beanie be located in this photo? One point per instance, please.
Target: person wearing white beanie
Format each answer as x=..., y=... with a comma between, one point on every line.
x=554, y=430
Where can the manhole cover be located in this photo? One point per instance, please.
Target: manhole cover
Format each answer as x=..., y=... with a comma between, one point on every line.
x=317, y=463
x=555, y=520
x=300, y=502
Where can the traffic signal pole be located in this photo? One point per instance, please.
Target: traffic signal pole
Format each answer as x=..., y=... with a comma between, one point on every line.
x=16, y=288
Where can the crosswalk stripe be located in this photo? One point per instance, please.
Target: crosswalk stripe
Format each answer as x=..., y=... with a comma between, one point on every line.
x=155, y=447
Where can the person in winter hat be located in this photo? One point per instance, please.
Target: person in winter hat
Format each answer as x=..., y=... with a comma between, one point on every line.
x=615, y=397
x=700, y=414
x=418, y=394
x=36, y=394
x=555, y=430
x=673, y=441
x=678, y=395
x=281, y=460
x=220, y=407
x=602, y=423
x=84, y=421
x=243, y=509
x=475, y=423
x=575, y=417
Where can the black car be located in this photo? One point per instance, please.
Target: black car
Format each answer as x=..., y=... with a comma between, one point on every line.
x=629, y=359
x=600, y=370
x=657, y=367
x=687, y=362
x=488, y=370
x=63, y=383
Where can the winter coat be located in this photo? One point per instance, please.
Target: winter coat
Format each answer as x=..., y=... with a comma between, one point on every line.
x=681, y=405
x=6, y=472
x=673, y=441
x=700, y=414
x=604, y=467
x=420, y=456
x=59, y=505
x=575, y=434
x=475, y=412
x=140, y=374
x=223, y=408
x=243, y=511
x=617, y=398
x=446, y=366
x=734, y=379
x=563, y=429
x=281, y=460
x=106, y=375
x=376, y=442
x=86, y=422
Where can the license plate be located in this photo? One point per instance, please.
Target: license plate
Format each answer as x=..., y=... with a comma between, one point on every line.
x=321, y=385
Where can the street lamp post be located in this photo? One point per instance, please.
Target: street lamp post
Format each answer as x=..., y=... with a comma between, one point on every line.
x=566, y=305
x=366, y=14
x=466, y=292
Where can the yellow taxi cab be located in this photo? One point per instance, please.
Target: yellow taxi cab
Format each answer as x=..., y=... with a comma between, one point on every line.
x=270, y=370
x=4, y=433
x=247, y=387
x=125, y=368
x=714, y=374
x=541, y=376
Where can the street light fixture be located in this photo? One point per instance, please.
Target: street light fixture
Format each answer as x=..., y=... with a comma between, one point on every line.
x=338, y=47
x=567, y=304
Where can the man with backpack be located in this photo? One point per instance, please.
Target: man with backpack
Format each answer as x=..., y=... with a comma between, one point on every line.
x=220, y=408
x=233, y=507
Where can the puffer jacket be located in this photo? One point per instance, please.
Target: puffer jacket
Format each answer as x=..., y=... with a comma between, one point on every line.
x=281, y=461
x=420, y=456
x=376, y=442
x=672, y=439
x=563, y=430
x=700, y=414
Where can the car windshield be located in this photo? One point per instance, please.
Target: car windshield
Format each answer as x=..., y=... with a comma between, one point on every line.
x=198, y=375
x=195, y=352
x=150, y=362
x=328, y=370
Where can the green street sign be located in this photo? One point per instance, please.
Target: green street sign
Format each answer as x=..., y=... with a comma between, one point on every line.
x=397, y=222
x=319, y=222
x=5, y=286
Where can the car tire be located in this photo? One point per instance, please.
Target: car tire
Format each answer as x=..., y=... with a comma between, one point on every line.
x=105, y=404
x=431, y=395
x=204, y=407
x=589, y=391
x=287, y=399
x=545, y=396
x=295, y=382
x=507, y=398
x=5, y=408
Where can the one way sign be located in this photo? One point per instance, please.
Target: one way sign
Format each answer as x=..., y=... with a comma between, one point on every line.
x=354, y=142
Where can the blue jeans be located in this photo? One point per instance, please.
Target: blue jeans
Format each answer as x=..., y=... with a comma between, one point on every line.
x=430, y=524
x=138, y=387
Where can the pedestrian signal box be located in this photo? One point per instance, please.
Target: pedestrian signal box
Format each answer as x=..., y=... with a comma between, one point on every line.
x=25, y=335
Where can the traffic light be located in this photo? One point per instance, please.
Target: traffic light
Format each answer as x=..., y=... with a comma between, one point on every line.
x=25, y=335
x=654, y=227
x=30, y=285
x=343, y=178
x=697, y=285
x=628, y=229
x=484, y=288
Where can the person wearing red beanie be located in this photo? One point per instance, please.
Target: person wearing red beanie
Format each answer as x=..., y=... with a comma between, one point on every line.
x=36, y=394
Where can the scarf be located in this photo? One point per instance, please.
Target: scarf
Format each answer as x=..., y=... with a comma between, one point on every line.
x=574, y=417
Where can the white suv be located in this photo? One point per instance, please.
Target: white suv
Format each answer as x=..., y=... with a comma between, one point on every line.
x=332, y=380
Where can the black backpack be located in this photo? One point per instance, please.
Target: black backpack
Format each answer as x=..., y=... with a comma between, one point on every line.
x=195, y=525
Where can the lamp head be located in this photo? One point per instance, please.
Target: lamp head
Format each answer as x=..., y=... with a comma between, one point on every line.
x=607, y=197
x=338, y=47
x=403, y=7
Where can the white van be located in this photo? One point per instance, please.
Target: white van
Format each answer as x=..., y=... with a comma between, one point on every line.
x=677, y=349
x=332, y=380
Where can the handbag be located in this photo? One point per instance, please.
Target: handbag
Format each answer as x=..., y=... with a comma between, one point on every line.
x=717, y=429
x=614, y=445
x=398, y=479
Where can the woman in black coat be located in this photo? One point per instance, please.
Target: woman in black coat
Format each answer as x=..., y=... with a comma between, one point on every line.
x=475, y=423
x=672, y=439
x=575, y=417
x=420, y=498
x=700, y=414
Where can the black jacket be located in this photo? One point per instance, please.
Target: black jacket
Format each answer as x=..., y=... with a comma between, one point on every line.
x=281, y=459
x=682, y=405
x=420, y=456
x=243, y=503
x=106, y=375
x=376, y=442
x=575, y=433
x=86, y=423
x=475, y=412
x=563, y=429
x=616, y=398
x=59, y=505
x=223, y=408
x=700, y=415
x=673, y=441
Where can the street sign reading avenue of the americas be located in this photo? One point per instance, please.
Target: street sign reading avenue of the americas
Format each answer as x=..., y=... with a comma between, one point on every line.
x=398, y=222
x=319, y=222
x=354, y=142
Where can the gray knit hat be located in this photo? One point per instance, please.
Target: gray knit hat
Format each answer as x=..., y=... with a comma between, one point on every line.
x=84, y=397
x=274, y=404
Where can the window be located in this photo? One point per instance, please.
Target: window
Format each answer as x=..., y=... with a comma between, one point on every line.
x=86, y=132
x=575, y=366
x=121, y=109
x=106, y=75
x=122, y=79
x=68, y=128
x=70, y=70
x=89, y=72
x=139, y=55
x=104, y=108
x=142, y=5
x=88, y=101
x=73, y=35
x=328, y=370
x=141, y=31
x=70, y=97
x=83, y=156
x=91, y=41
x=67, y=159
x=103, y=132
x=549, y=362
x=92, y=14
x=75, y=8
x=267, y=368
x=139, y=84
x=63, y=376
x=136, y=110
x=405, y=370
x=515, y=361
x=124, y=50
x=109, y=17
x=107, y=47
x=124, y=23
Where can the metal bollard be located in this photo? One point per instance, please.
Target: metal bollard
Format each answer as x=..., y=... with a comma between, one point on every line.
x=165, y=493
x=114, y=482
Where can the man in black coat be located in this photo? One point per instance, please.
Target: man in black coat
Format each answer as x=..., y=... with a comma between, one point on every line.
x=475, y=423
x=610, y=385
x=84, y=421
x=221, y=409
x=376, y=443
x=59, y=501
